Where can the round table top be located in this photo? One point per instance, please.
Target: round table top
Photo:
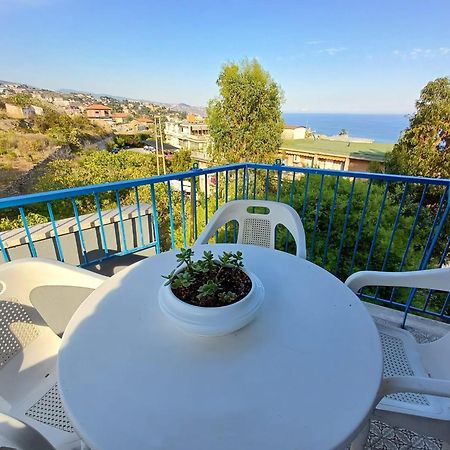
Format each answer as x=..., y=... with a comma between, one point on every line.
x=304, y=374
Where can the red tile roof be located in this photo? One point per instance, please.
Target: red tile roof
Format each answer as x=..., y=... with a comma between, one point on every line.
x=119, y=115
x=98, y=106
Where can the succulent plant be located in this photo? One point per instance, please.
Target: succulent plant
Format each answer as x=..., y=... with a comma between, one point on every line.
x=206, y=280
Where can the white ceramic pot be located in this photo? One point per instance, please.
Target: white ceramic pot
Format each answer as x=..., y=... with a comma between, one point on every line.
x=212, y=321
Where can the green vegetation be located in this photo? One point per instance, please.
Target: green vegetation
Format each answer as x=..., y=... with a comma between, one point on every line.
x=66, y=130
x=180, y=161
x=374, y=151
x=424, y=148
x=95, y=167
x=327, y=254
x=22, y=99
x=245, y=122
x=121, y=141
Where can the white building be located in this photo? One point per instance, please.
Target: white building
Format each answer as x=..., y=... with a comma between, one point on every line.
x=294, y=132
x=186, y=134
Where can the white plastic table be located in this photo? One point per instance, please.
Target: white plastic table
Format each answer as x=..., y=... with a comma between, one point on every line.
x=303, y=375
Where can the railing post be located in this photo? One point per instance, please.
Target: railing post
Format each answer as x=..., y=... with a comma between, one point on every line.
x=193, y=222
x=427, y=256
x=245, y=184
x=5, y=255
x=279, y=175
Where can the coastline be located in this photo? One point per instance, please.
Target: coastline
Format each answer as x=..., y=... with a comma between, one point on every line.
x=376, y=128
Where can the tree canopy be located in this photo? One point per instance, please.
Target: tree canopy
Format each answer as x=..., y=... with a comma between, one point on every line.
x=245, y=122
x=424, y=147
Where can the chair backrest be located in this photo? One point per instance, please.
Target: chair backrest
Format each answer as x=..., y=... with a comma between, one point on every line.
x=436, y=279
x=256, y=227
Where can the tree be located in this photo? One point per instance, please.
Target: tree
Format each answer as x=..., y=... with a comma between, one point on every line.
x=245, y=122
x=21, y=99
x=424, y=147
x=181, y=161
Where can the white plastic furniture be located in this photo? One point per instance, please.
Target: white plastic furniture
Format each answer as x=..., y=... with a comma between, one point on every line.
x=18, y=435
x=29, y=348
x=304, y=374
x=416, y=388
x=254, y=227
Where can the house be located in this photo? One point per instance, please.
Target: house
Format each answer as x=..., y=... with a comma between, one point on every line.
x=294, y=132
x=189, y=134
x=119, y=117
x=98, y=111
x=326, y=160
x=141, y=124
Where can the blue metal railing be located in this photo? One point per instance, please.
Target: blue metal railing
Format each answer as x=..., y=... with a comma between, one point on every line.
x=353, y=221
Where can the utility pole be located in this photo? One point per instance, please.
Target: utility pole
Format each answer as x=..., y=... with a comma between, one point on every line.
x=159, y=147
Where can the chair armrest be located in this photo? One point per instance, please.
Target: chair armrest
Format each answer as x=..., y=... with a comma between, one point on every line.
x=29, y=273
x=417, y=385
x=423, y=279
x=22, y=435
x=207, y=232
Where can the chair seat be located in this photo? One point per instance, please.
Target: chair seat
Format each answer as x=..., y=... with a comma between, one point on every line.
x=46, y=414
x=50, y=410
x=402, y=358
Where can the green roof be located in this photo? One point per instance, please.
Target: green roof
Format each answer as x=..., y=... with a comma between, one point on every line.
x=371, y=151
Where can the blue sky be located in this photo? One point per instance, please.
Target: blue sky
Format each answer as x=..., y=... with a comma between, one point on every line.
x=327, y=55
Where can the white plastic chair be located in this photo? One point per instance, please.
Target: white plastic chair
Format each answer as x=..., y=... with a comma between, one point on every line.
x=29, y=347
x=256, y=228
x=416, y=387
x=18, y=435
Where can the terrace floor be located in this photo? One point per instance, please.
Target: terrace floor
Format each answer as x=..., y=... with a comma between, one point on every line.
x=385, y=437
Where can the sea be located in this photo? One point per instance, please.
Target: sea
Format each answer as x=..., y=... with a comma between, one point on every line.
x=384, y=128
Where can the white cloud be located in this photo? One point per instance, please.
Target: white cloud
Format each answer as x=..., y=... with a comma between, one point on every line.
x=331, y=51
x=418, y=52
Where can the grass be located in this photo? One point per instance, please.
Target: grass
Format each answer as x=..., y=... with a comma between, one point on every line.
x=372, y=151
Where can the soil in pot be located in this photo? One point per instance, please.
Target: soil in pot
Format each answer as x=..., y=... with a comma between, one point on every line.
x=230, y=279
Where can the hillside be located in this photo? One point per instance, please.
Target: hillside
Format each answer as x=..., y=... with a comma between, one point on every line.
x=19, y=153
x=29, y=143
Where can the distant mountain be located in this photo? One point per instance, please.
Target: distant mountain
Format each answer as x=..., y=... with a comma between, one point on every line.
x=74, y=91
x=183, y=107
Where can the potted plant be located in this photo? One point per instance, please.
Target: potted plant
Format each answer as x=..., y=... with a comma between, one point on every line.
x=210, y=296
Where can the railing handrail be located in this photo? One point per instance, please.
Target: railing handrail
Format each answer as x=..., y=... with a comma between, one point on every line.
x=351, y=174
x=28, y=199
